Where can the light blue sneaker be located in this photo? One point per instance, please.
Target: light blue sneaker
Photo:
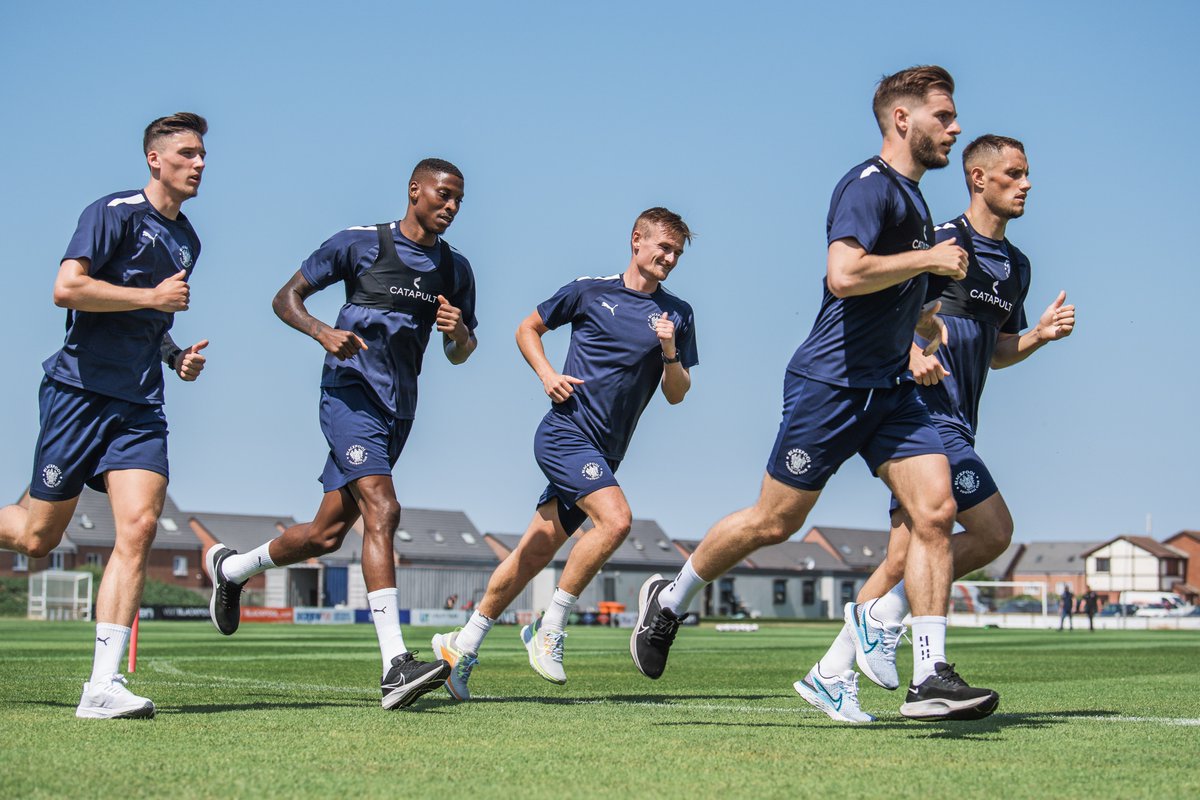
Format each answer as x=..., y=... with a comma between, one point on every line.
x=545, y=650
x=874, y=645
x=836, y=696
x=445, y=647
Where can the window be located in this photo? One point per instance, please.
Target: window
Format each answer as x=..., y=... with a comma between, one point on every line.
x=179, y=566
x=1102, y=565
x=169, y=525
x=86, y=523
x=404, y=535
x=20, y=562
x=469, y=538
x=780, y=591
x=57, y=560
x=1171, y=566
x=437, y=537
x=94, y=560
x=808, y=592
x=847, y=592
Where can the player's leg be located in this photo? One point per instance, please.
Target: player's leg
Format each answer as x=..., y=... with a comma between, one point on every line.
x=137, y=497
x=35, y=527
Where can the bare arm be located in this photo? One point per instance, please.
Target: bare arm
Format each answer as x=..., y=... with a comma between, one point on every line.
x=1057, y=322
x=75, y=289
x=529, y=340
x=458, y=342
x=289, y=307
x=676, y=380
x=851, y=271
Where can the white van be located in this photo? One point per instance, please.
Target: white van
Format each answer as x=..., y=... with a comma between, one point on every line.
x=1156, y=604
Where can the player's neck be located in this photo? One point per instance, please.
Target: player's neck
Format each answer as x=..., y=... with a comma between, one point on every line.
x=415, y=232
x=900, y=158
x=162, y=199
x=638, y=281
x=985, y=221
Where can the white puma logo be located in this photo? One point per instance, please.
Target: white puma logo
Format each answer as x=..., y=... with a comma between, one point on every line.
x=153, y=237
x=612, y=309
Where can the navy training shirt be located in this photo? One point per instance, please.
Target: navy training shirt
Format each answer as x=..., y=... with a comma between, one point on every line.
x=616, y=353
x=128, y=243
x=863, y=341
x=396, y=340
x=989, y=301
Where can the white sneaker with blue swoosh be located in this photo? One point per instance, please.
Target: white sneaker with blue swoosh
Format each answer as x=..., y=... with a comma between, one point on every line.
x=836, y=696
x=874, y=645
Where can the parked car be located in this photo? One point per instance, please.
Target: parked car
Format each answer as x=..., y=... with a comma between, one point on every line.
x=1118, y=610
x=1020, y=605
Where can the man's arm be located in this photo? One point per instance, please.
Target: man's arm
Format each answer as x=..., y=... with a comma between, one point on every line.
x=529, y=340
x=851, y=271
x=676, y=380
x=458, y=341
x=187, y=364
x=1057, y=322
x=75, y=289
x=289, y=307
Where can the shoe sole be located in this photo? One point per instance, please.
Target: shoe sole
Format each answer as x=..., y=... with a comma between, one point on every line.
x=643, y=605
x=962, y=710
x=533, y=658
x=403, y=698
x=145, y=712
x=441, y=651
x=860, y=656
x=816, y=701
x=210, y=566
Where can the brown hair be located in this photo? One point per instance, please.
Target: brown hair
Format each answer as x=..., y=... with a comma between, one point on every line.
x=987, y=146
x=908, y=84
x=666, y=218
x=176, y=123
x=435, y=166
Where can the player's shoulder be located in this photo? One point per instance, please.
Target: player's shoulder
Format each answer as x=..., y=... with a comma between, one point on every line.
x=354, y=236
x=1019, y=260
x=120, y=205
x=461, y=262
x=674, y=302
x=866, y=179
x=947, y=230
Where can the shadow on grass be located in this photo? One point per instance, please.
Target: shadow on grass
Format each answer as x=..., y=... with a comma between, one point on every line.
x=625, y=699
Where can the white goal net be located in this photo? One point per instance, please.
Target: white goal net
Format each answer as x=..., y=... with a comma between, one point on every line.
x=58, y=595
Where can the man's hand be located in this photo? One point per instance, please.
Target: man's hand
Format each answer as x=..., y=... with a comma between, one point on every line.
x=172, y=294
x=931, y=328
x=1057, y=320
x=449, y=322
x=926, y=370
x=948, y=259
x=339, y=343
x=560, y=387
x=665, y=329
x=189, y=363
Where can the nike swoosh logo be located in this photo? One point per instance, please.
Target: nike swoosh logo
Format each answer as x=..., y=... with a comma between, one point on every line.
x=868, y=645
x=837, y=701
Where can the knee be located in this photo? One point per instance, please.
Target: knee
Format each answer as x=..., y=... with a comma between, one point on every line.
x=136, y=533
x=40, y=548
x=617, y=526
x=323, y=540
x=773, y=530
x=935, y=520
x=382, y=518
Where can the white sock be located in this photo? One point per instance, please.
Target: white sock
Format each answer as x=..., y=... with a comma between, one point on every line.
x=385, y=613
x=470, y=638
x=111, y=641
x=679, y=592
x=241, y=567
x=929, y=646
x=840, y=655
x=555, y=618
x=889, y=609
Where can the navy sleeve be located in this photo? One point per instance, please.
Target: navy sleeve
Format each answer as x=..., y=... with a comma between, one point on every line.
x=563, y=306
x=98, y=234
x=686, y=340
x=1016, y=321
x=332, y=262
x=865, y=206
x=464, y=291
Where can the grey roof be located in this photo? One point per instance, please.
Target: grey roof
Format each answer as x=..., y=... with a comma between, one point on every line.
x=1060, y=558
x=647, y=546
x=999, y=568
x=242, y=532
x=796, y=556
x=93, y=525
x=431, y=535
x=858, y=547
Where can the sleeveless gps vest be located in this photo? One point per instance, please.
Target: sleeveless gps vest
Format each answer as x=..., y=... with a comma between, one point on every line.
x=390, y=285
x=979, y=296
x=915, y=232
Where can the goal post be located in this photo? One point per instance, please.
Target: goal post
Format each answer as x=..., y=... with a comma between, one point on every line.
x=60, y=595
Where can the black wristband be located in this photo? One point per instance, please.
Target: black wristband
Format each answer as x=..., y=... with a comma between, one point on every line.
x=171, y=356
x=674, y=360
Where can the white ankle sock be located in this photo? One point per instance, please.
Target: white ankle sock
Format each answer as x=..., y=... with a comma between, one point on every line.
x=240, y=567
x=111, y=641
x=840, y=655
x=555, y=618
x=891, y=608
x=386, y=616
x=679, y=593
x=470, y=638
x=929, y=646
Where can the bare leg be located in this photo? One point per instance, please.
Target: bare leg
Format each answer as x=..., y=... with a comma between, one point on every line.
x=922, y=485
x=336, y=514
x=542, y=539
x=137, y=500
x=381, y=518
x=35, y=527
x=610, y=514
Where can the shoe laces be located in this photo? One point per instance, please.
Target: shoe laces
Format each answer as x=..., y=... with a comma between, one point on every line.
x=663, y=629
x=850, y=688
x=947, y=674
x=229, y=591
x=464, y=665
x=120, y=679
x=552, y=644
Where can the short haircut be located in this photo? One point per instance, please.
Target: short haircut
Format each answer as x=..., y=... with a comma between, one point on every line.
x=913, y=83
x=184, y=121
x=986, y=148
x=666, y=218
x=435, y=166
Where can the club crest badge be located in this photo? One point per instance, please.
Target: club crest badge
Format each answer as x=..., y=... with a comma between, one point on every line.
x=654, y=318
x=356, y=455
x=966, y=481
x=592, y=471
x=185, y=257
x=52, y=475
x=798, y=461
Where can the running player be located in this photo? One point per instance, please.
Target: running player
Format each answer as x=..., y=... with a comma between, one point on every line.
x=402, y=280
x=124, y=276
x=985, y=315
x=628, y=336
x=847, y=389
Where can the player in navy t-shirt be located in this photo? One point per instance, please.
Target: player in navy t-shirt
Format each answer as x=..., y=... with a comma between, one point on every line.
x=629, y=336
x=984, y=313
x=122, y=280
x=402, y=280
x=847, y=390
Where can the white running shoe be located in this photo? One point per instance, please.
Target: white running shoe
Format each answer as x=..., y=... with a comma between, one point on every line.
x=545, y=651
x=874, y=645
x=461, y=664
x=112, y=699
x=836, y=696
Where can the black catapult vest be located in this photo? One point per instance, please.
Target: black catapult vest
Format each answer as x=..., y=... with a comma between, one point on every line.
x=390, y=285
x=973, y=297
x=915, y=232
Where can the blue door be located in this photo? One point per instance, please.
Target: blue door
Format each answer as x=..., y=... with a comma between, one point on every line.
x=337, y=585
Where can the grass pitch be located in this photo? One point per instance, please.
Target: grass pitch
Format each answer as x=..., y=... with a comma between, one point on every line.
x=293, y=711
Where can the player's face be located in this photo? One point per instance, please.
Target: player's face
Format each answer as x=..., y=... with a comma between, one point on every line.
x=1006, y=184
x=934, y=129
x=656, y=250
x=436, y=200
x=178, y=163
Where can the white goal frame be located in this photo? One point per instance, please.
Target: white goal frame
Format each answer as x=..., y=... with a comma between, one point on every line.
x=57, y=594
x=1039, y=588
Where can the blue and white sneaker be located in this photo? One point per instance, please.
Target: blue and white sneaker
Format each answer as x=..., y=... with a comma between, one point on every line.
x=874, y=645
x=545, y=650
x=836, y=696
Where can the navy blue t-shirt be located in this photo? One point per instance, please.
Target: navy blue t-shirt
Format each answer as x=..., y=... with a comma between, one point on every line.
x=989, y=301
x=117, y=353
x=616, y=353
x=396, y=341
x=863, y=341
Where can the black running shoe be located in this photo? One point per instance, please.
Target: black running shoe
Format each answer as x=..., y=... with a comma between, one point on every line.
x=225, y=606
x=656, y=628
x=945, y=695
x=409, y=678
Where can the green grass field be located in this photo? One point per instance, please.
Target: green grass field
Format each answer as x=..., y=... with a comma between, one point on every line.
x=293, y=711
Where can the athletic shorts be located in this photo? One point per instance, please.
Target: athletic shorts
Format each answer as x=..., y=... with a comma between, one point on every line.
x=574, y=467
x=85, y=434
x=363, y=438
x=823, y=425
x=970, y=479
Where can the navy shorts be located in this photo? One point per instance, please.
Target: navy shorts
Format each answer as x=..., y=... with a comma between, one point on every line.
x=85, y=434
x=970, y=479
x=363, y=438
x=574, y=467
x=823, y=425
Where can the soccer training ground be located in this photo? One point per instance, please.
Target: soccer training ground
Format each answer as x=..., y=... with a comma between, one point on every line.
x=293, y=711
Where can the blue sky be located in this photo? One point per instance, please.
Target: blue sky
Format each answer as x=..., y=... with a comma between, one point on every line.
x=569, y=119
